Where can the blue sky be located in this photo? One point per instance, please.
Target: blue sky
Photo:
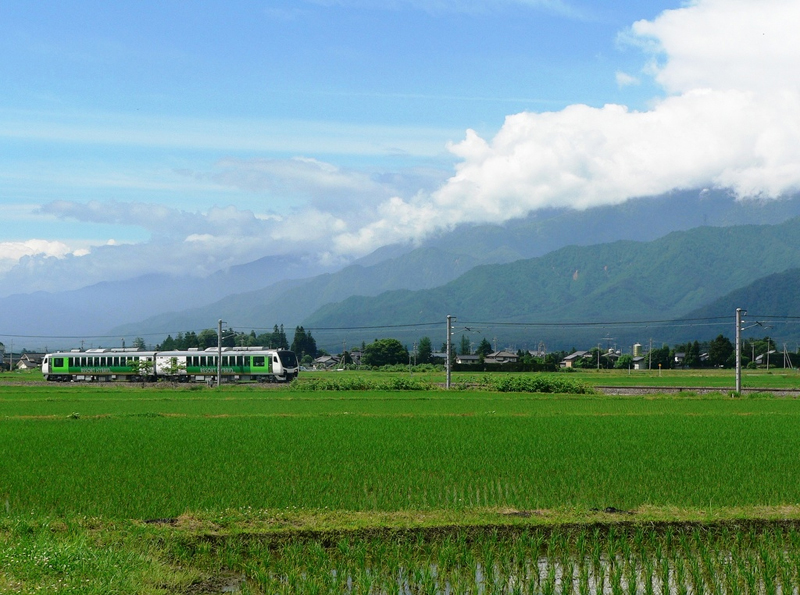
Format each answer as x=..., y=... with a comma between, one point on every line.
x=194, y=138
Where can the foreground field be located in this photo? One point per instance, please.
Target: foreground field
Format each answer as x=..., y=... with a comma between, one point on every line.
x=199, y=490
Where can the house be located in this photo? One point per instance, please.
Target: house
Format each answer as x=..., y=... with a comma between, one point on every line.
x=639, y=362
x=30, y=361
x=326, y=362
x=468, y=359
x=501, y=357
x=572, y=359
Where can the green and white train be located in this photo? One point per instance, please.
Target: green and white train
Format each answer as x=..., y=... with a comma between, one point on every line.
x=239, y=364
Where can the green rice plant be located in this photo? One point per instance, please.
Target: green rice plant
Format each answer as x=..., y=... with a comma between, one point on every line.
x=536, y=383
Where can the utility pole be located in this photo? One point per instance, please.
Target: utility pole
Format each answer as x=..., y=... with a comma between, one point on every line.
x=447, y=359
x=219, y=352
x=739, y=314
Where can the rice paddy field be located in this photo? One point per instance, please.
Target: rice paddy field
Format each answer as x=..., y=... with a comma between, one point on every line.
x=123, y=489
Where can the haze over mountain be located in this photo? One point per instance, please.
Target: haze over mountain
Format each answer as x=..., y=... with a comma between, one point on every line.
x=580, y=294
x=449, y=255
x=322, y=131
x=286, y=291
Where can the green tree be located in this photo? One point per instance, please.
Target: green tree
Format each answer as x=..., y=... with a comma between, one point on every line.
x=190, y=340
x=141, y=367
x=172, y=369
x=624, y=362
x=303, y=343
x=207, y=338
x=484, y=348
x=464, y=347
x=384, y=352
x=424, y=351
x=659, y=356
x=169, y=344
x=720, y=351
x=138, y=343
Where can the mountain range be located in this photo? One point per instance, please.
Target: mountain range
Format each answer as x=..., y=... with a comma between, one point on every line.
x=610, y=263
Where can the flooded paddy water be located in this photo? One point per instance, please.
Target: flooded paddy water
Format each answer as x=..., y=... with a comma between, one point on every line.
x=655, y=560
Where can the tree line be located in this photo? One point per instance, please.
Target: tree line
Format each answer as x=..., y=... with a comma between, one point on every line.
x=717, y=353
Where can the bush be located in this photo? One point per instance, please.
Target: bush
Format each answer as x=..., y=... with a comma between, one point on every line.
x=357, y=383
x=536, y=383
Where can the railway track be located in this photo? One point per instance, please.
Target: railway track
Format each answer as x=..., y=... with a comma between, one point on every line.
x=700, y=390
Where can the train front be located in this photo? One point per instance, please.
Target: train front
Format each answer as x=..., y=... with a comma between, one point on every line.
x=289, y=368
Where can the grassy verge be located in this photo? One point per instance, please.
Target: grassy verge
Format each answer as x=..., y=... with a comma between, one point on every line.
x=118, y=489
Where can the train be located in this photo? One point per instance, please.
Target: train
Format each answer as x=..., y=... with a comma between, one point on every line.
x=239, y=364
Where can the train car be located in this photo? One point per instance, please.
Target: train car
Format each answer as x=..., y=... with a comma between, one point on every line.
x=97, y=365
x=239, y=364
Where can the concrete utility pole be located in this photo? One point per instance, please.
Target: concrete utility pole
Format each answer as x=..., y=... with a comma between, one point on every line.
x=447, y=358
x=219, y=352
x=739, y=314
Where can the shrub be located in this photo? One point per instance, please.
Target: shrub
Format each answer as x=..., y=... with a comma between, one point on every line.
x=536, y=383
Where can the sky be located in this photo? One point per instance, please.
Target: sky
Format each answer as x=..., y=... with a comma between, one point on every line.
x=162, y=136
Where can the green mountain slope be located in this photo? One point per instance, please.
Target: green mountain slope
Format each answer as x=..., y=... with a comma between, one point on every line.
x=774, y=295
x=665, y=278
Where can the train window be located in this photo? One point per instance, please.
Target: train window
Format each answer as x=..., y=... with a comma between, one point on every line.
x=239, y=361
x=258, y=361
x=58, y=362
x=202, y=360
x=71, y=362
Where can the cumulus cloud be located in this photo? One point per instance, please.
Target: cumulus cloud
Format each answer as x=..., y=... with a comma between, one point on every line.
x=13, y=252
x=730, y=119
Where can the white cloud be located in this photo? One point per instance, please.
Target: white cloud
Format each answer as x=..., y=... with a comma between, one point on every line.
x=625, y=80
x=731, y=120
x=12, y=252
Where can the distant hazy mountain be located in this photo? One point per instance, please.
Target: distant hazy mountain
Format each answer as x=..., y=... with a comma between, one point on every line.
x=446, y=256
x=289, y=301
x=95, y=309
x=270, y=290
x=621, y=281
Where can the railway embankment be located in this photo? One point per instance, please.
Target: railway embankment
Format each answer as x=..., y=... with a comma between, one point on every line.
x=698, y=390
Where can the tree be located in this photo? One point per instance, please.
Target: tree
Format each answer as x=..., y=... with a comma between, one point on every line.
x=303, y=343
x=424, y=351
x=172, y=369
x=384, y=352
x=659, y=356
x=168, y=344
x=720, y=351
x=624, y=361
x=141, y=367
x=207, y=338
x=138, y=343
x=484, y=348
x=464, y=348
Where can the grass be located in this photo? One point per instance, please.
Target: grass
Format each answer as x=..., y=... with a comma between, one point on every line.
x=282, y=490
